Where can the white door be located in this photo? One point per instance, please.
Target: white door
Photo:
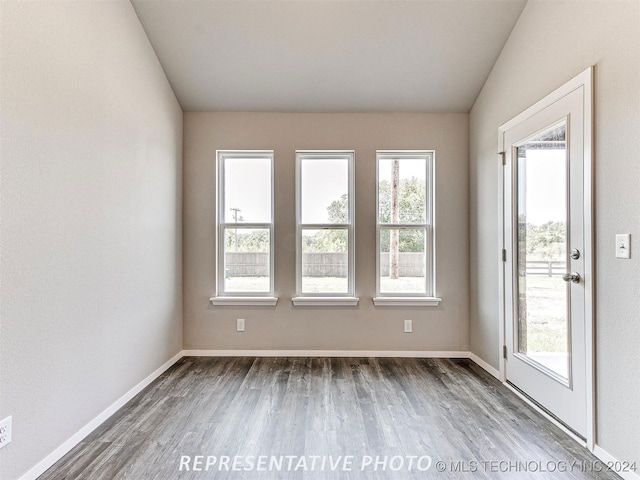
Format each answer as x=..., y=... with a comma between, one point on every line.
x=547, y=266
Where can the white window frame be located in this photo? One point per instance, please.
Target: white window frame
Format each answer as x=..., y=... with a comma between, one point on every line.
x=427, y=299
x=328, y=298
x=223, y=297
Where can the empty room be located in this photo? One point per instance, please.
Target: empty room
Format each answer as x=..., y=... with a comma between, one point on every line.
x=319, y=239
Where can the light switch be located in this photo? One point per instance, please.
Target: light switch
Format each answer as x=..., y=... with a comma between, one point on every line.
x=623, y=245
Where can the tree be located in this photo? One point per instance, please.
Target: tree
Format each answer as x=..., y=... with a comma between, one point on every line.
x=247, y=240
x=411, y=209
x=411, y=201
x=338, y=210
x=327, y=240
x=546, y=241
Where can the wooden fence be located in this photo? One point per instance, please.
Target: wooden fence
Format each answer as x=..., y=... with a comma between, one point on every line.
x=246, y=264
x=546, y=267
x=256, y=264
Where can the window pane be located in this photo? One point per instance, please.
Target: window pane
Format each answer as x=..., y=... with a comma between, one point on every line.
x=542, y=205
x=247, y=190
x=402, y=190
x=246, y=260
x=325, y=261
x=402, y=260
x=324, y=187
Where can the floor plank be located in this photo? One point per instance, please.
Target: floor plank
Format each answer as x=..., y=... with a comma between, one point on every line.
x=326, y=418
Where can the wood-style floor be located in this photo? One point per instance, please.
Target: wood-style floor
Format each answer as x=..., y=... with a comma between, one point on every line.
x=326, y=418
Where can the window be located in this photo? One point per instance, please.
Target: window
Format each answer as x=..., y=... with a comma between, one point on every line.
x=404, y=228
x=324, y=231
x=245, y=228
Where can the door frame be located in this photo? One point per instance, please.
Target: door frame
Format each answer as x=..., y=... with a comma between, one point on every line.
x=585, y=80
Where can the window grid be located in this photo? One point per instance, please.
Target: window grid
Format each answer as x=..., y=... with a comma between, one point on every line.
x=427, y=226
x=222, y=225
x=301, y=156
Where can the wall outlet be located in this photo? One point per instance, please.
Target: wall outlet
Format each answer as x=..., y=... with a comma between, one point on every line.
x=240, y=325
x=408, y=326
x=5, y=431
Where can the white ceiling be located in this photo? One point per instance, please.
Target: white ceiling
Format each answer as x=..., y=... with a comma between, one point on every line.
x=325, y=55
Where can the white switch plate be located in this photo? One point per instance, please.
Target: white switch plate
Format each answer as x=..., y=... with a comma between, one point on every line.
x=623, y=245
x=5, y=431
x=408, y=326
x=240, y=324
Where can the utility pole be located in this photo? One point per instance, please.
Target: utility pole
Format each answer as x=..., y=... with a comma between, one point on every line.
x=236, y=212
x=394, y=234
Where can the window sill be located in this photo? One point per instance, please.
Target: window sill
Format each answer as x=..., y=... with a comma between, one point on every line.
x=244, y=301
x=406, y=301
x=325, y=301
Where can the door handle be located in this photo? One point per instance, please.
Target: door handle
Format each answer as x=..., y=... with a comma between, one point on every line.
x=571, y=277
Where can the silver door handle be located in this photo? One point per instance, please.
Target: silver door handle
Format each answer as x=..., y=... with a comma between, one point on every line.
x=571, y=277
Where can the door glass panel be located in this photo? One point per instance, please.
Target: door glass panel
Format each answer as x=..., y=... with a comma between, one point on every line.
x=543, y=324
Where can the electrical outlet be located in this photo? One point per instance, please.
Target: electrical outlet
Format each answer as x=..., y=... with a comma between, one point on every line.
x=5, y=431
x=240, y=325
x=408, y=326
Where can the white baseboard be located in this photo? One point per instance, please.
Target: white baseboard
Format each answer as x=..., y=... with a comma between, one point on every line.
x=346, y=353
x=528, y=401
x=325, y=353
x=609, y=459
x=598, y=451
x=63, y=449
x=80, y=435
x=484, y=365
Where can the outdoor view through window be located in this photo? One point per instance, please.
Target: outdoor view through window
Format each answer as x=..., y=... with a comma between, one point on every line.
x=325, y=226
x=404, y=223
x=543, y=297
x=245, y=235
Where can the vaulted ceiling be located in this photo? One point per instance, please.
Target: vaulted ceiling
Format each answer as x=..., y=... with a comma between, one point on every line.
x=325, y=55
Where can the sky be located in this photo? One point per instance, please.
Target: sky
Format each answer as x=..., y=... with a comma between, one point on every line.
x=546, y=186
x=408, y=168
x=323, y=181
x=247, y=186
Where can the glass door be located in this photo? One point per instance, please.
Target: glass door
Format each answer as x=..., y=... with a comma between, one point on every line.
x=543, y=297
x=544, y=270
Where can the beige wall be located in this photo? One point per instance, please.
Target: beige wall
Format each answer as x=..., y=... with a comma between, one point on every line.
x=90, y=214
x=551, y=43
x=365, y=327
x=90, y=271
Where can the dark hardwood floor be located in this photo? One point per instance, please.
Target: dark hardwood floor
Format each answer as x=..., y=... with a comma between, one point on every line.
x=326, y=418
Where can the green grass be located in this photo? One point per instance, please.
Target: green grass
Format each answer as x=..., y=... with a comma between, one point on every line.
x=402, y=284
x=325, y=284
x=247, y=284
x=546, y=314
x=546, y=307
